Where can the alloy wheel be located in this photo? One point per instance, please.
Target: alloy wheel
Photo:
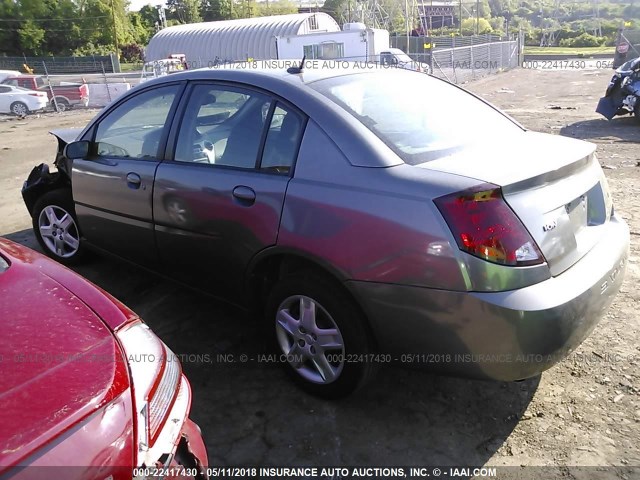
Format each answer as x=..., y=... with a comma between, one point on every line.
x=310, y=339
x=59, y=231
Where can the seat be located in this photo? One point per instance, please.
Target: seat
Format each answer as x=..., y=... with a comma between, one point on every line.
x=244, y=140
x=280, y=150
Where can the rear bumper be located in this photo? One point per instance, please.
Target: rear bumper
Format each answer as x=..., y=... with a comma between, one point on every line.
x=504, y=335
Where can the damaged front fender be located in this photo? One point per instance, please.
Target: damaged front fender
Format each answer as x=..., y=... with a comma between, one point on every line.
x=41, y=181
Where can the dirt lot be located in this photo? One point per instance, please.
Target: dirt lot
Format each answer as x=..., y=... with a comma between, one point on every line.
x=585, y=411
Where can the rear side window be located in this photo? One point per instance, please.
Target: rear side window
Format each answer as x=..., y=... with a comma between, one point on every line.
x=4, y=265
x=222, y=125
x=417, y=116
x=283, y=140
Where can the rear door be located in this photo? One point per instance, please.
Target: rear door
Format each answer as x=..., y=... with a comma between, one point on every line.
x=219, y=201
x=113, y=187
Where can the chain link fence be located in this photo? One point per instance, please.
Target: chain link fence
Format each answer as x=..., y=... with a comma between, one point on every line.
x=460, y=59
x=71, y=82
x=62, y=65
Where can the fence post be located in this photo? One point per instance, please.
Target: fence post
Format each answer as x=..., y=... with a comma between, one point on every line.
x=53, y=96
x=473, y=68
x=106, y=84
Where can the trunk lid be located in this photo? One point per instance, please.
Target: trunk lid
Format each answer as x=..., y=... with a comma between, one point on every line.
x=554, y=184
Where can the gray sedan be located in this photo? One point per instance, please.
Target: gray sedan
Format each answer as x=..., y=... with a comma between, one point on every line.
x=369, y=217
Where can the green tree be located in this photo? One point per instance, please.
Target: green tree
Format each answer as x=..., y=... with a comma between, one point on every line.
x=184, y=11
x=214, y=10
x=31, y=37
x=469, y=26
x=279, y=7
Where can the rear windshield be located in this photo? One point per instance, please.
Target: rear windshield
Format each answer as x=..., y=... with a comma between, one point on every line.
x=419, y=117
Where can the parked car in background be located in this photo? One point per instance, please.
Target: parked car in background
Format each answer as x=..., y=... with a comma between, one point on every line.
x=66, y=96
x=369, y=224
x=394, y=57
x=85, y=385
x=21, y=101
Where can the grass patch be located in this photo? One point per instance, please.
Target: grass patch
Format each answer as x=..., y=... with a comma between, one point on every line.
x=567, y=50
x=130, y=67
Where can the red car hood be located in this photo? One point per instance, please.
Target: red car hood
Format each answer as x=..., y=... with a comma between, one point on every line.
x=59, y=362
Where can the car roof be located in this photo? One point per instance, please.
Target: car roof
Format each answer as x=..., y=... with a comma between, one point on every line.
x=272, y=76
x=256, y=71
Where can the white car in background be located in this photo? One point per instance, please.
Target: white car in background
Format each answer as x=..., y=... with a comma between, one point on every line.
x=395, y=57
x=20, y=101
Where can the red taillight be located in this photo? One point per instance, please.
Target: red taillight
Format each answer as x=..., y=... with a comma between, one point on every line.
x=484, y=225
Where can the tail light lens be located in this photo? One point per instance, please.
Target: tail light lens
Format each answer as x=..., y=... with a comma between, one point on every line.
x=155, y=375
x=486, y=227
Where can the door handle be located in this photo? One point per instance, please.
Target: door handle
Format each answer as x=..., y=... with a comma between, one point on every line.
x=133, y=180
x=246, y=195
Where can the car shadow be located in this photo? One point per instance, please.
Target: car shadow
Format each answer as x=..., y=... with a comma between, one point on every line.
x=620, y=129
x=251, y=414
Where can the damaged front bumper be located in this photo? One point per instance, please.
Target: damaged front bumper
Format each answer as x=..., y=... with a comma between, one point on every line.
x=179, y=451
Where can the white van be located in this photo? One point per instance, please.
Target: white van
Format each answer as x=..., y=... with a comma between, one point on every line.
x=8, y=73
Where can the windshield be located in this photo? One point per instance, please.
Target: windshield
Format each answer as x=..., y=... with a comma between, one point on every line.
x=403, y=57
x=419, y=117
x=4, y=266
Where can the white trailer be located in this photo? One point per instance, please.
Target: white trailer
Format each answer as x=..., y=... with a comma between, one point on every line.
x=355, y=42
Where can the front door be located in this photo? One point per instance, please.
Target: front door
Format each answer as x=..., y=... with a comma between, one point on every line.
x=113, y=187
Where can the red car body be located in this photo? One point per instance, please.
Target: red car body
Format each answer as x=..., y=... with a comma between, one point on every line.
x=70, y=388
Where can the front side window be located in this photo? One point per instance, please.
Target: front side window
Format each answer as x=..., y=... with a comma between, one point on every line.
x=222, y=126
x=135, y=127
x=417, y=116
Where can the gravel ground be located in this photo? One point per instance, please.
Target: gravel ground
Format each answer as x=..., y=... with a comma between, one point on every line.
x=583, y=412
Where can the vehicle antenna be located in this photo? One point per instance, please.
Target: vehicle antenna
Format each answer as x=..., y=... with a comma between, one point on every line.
x=298, y=69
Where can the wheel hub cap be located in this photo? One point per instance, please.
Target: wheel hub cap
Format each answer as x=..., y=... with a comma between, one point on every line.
x=310, y=339
x=59, y=231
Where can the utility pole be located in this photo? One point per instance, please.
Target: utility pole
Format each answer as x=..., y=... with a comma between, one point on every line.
x=477, y=17
x=460, y=18
x=115, y=30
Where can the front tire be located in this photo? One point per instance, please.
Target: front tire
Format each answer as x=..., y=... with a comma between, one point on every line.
x=56, y=227
x=636, y=110
x=19, y=108
x=319, y=334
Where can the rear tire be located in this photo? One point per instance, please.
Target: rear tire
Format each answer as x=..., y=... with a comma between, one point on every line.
x=56, y=227
x=63, y=105
x=636, y=110
x=19, y=108
x=319, y=335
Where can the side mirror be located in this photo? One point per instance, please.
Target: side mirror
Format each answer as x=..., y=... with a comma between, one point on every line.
x=76, y=150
